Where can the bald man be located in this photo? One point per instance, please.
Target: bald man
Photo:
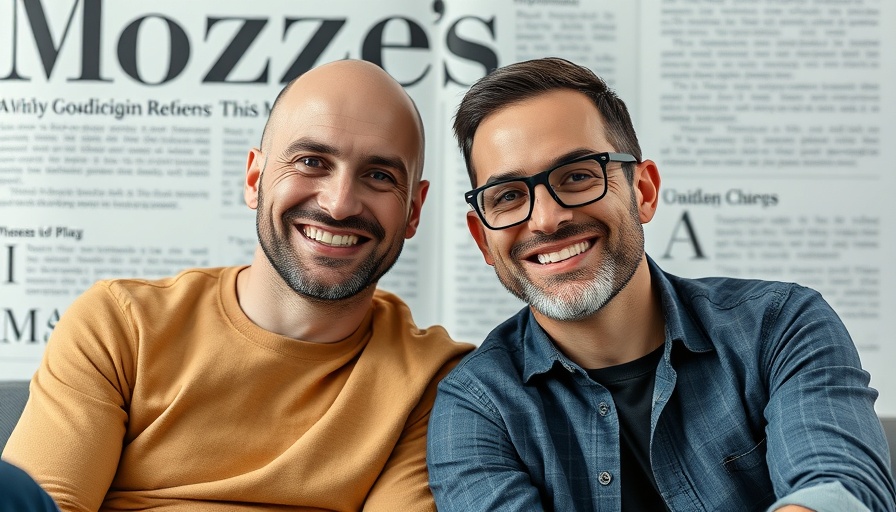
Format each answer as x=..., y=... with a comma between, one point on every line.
x=291, y=383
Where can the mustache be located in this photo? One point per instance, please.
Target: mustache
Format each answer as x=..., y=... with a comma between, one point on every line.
x=565, y=231
x=375, y=229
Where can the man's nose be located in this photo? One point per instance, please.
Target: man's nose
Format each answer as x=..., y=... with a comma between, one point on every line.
x=547, y=214
x=339, y=196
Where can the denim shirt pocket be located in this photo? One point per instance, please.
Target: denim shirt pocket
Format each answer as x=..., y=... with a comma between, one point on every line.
x=748, y=485
x=747, y=460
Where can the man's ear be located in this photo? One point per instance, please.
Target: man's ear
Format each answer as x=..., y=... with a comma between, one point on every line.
x=478, y=231
x=647, y=189
x=254, y=165
x=417, y=199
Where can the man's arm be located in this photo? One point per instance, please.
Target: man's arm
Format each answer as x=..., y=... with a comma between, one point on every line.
x=472, y=463
x=826, y=445
x=69, y=438
x=403, y=482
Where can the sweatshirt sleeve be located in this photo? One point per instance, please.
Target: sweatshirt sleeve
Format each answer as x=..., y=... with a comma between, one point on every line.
x=69, y=437
x=404, y=482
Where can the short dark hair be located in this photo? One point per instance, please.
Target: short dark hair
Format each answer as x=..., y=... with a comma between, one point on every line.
x=523, y=80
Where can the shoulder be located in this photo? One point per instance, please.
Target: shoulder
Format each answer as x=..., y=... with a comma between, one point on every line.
x=752, y=317
x=749, y=298
x=729, y=292
x=186, y=281
x=491, y=380
x=414, y=359
x=185, y=287
x=156, y=299
x=393, y=322
x=499, y=360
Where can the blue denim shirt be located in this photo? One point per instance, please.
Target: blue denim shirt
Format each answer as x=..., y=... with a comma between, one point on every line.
x=759, y=401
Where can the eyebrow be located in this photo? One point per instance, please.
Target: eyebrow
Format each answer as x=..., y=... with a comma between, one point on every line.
x=520, y=173
x=316, y=146
x=309, y=144
x=387, y=161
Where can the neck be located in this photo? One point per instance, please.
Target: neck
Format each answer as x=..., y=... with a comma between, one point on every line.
x=272, y=305
x=630, y=326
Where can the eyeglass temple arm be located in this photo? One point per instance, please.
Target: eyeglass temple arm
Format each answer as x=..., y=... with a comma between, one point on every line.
x=622, y=157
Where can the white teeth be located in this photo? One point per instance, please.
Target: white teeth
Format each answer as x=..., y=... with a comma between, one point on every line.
x=565, y=253
x=328, y=238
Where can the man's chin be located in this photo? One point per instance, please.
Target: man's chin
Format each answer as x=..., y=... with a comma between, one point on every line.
x=342, y=288
x=571, y=304
x=330, y=293
x=564, y=301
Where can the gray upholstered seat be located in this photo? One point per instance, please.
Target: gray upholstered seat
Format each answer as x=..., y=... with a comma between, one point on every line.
x=13, y=395
x=890, y=428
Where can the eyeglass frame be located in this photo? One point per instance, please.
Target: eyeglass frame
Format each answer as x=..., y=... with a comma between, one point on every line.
x=541, y=178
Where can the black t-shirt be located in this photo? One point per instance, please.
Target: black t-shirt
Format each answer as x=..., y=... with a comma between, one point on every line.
x=631, y=385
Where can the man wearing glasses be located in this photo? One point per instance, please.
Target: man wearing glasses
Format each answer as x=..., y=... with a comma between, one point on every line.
x=622, y=387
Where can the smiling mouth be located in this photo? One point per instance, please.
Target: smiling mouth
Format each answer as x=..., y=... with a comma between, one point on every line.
x=327, y=238
x=564, y=254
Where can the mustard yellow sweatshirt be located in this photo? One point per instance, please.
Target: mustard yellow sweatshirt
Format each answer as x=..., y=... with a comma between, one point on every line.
x=163, y=395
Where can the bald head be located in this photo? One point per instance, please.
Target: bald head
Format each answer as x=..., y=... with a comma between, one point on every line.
x=358, y=87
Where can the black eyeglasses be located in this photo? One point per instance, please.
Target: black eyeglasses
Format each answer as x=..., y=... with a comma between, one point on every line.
x=578, y=182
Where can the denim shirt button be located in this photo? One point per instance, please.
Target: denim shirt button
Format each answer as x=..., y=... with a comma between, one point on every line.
x=603, y=408
x=604, y=478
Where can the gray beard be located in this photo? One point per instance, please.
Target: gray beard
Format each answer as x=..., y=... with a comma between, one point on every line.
x=576, y=301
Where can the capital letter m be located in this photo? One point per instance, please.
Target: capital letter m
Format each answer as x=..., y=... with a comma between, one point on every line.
x=48, y=49
x=17, y=330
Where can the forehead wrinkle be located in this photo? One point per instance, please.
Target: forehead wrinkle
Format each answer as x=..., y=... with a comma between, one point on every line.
x=335, y=121
x=323, y=111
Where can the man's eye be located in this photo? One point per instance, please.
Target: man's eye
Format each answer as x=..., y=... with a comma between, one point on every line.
x=506, y=197
x=382, y=176
x=311, y=162
x=579, y=176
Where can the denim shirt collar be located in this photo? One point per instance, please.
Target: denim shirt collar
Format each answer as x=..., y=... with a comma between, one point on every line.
x=540, y=354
